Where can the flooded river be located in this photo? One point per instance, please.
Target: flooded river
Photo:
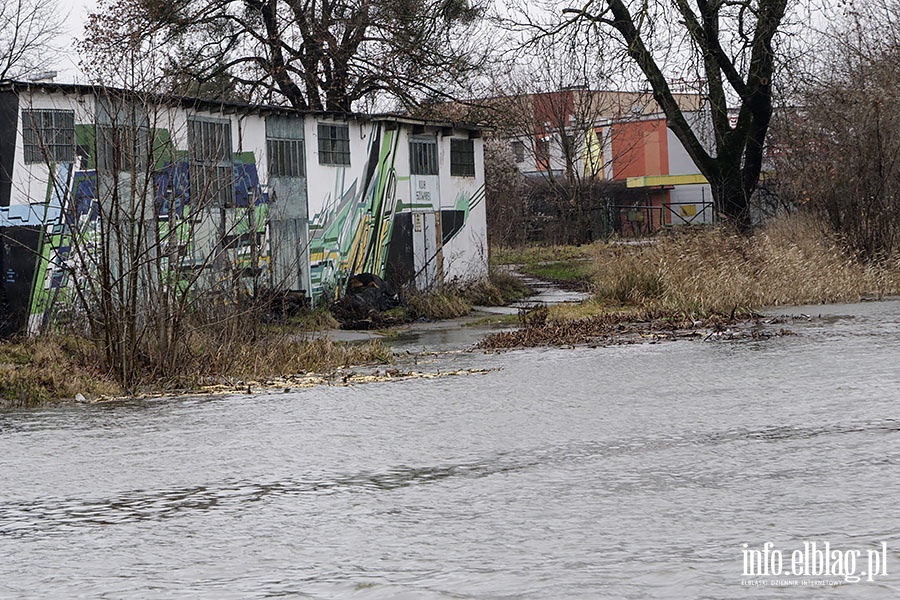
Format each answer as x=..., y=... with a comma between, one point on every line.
x=624, y=472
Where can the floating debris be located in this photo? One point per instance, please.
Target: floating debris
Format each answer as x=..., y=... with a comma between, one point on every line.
x=616, y=329
x=291, y=383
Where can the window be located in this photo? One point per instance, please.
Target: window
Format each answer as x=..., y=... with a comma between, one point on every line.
x=209, y=140
x=286, y=158
x=542, y=153
x=334, y=144
x=212, y=167
x=123, y=136
x=462, y=158
x=423, y=156
x=49, y=136
x=518, y=150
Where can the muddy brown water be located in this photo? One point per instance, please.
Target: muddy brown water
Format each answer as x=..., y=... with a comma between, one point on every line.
x=623, y=472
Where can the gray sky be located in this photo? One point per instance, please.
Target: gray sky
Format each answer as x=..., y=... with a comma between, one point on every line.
x=67, y=64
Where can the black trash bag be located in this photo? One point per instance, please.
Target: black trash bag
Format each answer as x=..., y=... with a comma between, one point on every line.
x=367, y=295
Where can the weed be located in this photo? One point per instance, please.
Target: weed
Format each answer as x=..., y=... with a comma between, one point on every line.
x=794, y=260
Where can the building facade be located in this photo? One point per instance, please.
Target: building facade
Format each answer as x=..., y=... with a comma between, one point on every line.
x=579, y=137
x=225, y=196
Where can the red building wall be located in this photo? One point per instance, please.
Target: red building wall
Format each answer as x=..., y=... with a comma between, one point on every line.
x=640, y=149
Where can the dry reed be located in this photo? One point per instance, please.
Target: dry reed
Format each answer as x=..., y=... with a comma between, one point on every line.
x=792, y=261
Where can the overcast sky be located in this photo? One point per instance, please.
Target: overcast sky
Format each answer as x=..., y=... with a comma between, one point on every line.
x=67, y=64
x=77, y=10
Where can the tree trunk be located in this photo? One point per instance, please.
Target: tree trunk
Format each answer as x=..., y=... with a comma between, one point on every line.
x=731, y=199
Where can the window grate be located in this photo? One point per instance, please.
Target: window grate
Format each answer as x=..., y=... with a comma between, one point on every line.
x=49, y=136
x=286, y=158
x=423, y=157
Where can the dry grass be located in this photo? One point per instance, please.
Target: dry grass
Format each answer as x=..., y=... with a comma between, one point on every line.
x=792, y=261
x=442, y=302
x=284, y=355
x=499, y=288
x=456, y=299
x=317, y=319
x=49, y=368
x=535, y=254
x=37, y=370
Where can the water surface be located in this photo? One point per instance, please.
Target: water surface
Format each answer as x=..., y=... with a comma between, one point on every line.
x=622, y=472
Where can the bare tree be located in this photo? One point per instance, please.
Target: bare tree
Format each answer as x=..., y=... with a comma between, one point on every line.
x=838, y=147
x=314, y=54
x=29, y=30
x=505, y=190
x=732, y=47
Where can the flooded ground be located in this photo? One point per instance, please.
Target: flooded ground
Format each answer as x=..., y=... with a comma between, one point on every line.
x=463, y=333
x=623, y=472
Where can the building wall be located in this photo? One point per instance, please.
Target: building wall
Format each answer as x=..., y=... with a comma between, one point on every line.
x=358, y=212
x=465, y=248
x=640, y=148
x=307, y=232
x=692, y=203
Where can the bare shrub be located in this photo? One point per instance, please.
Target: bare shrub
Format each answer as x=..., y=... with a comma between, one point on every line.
x=840, y=153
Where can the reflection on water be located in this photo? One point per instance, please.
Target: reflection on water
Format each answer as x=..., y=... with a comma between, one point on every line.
x=626, y=472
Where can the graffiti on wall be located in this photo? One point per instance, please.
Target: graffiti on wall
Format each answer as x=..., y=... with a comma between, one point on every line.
x=364, y=224
x=67, y=230
x=364, y=216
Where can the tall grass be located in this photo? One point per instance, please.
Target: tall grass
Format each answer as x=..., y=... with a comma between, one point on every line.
x=51, y=367
x=46, y=368
x=794, y=260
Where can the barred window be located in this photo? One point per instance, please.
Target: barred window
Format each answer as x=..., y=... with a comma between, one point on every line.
x=462, y=158
x=286, y=158
x=212, y=166
x=49, y=136
x=423, y=156
x=334, y=144
x=123, y=135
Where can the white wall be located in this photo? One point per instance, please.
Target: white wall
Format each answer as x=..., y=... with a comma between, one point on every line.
x=465, y=256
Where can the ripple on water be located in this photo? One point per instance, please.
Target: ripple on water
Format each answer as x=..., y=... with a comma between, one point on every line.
x=627, y=472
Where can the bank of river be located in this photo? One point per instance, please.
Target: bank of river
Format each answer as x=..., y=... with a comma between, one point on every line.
x=613, y=472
